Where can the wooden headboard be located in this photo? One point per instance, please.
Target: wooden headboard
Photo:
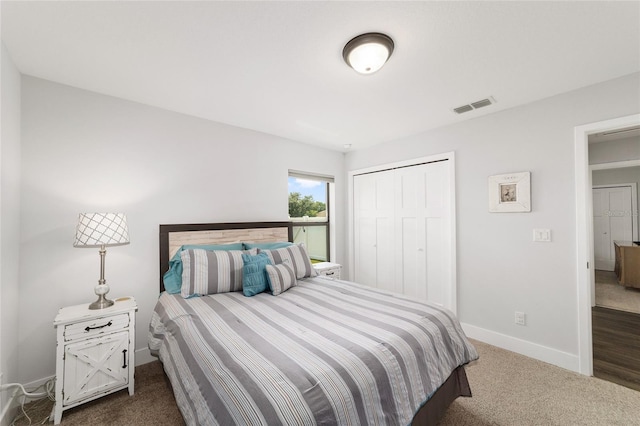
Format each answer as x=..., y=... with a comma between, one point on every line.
x=174, y=236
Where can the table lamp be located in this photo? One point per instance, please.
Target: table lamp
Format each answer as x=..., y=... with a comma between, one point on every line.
x=101, y=230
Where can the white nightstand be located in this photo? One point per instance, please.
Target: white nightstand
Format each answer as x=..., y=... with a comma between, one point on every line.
x=95, y=352
x=328, y=269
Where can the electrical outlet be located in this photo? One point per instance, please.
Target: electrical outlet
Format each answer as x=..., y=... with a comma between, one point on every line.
x=520, y=318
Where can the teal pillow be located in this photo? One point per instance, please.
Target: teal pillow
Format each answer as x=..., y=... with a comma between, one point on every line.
x=172, y=279
x=267, y=246
x=254, y=274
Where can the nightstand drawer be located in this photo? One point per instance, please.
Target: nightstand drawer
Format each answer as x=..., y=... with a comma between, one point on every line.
x=332, y=273
x=96, y=327
x=328, y=269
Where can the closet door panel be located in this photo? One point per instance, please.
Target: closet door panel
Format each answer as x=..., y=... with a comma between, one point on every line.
x=385, y=253
x=365, y=243
x=435, y=261
x=411, y=278
x=364, y=202
x=373, y=229
x=410, y=242
x=437, y=234
x=436, y=189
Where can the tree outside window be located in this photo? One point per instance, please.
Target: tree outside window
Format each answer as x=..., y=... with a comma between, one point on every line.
x=305, y=205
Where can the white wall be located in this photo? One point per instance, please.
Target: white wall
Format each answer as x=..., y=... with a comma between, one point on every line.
x=500, y=269
x=9, y=218
x=616, y=150
x=82, y=151
x=621, y=175
x=87, y=152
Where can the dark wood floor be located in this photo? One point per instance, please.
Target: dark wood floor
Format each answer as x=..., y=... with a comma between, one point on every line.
x=616, y=346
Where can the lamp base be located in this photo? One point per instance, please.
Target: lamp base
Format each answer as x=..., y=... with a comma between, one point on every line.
x=101, y=303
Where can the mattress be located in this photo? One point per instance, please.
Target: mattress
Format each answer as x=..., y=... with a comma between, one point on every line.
x=323, y=352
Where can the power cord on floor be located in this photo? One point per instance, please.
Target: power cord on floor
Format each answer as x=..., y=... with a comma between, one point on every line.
x=48, y=393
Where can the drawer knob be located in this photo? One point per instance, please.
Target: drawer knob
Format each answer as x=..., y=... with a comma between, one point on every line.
x=87, y=329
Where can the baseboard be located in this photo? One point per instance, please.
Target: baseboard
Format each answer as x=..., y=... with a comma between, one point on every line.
x=524, y=347
x=38, y=384
x=143, y=356
x=9, y=407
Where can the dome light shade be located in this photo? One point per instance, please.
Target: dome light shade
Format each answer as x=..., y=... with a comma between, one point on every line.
x=367, y=53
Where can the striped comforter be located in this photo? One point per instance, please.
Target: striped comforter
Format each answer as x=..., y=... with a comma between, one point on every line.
x=324, y=352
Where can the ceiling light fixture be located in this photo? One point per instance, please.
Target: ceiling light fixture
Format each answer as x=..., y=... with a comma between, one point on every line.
x=367, y=53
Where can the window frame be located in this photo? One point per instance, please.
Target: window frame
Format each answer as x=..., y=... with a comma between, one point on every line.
x=327, y=181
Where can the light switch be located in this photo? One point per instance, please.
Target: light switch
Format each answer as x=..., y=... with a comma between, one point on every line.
x=542, y=235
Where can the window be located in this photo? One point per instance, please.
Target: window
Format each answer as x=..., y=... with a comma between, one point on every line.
x=309, y=212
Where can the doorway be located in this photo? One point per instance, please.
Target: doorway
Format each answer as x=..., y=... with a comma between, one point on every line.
x=615, y=218
x=616, y=314
x=585, y=233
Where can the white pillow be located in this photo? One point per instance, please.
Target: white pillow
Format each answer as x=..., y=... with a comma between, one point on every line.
x=296, y=255
x=210, y=272
x=281, y=278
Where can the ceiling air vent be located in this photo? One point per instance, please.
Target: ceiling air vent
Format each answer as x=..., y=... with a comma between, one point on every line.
x=474, y=105
x=463, y=108
x=482, y=103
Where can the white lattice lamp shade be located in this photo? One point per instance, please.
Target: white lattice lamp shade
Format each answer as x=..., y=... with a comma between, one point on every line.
x=101, y=229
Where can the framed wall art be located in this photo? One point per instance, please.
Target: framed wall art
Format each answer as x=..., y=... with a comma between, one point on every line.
x=510, y=193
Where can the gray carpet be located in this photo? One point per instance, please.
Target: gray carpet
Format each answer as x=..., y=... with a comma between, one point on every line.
x=508, y=389
x=152, y=404
x=511, y=389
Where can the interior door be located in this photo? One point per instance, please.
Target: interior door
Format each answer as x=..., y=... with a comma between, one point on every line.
x=612, y=220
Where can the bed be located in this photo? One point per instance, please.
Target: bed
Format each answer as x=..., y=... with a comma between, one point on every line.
x=322, y=351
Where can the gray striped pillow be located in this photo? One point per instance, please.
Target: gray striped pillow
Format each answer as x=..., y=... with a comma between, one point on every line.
x=210, y=272
x=281, y=278
x=297, y=257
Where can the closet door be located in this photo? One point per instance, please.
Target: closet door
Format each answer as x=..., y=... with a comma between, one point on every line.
x=422, y=223
x=402, y=231
x=373, y=229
